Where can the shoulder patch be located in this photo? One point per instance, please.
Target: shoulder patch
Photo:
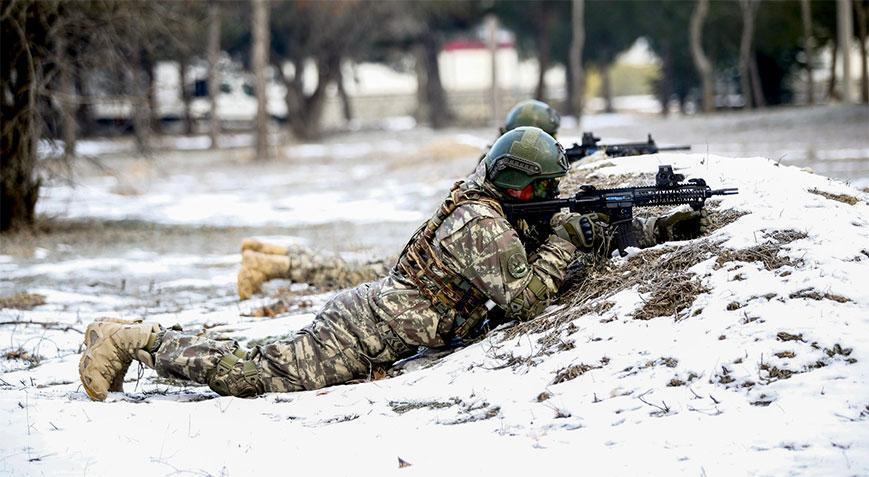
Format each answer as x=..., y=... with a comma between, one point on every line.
x=514, y=262
x=517, y=265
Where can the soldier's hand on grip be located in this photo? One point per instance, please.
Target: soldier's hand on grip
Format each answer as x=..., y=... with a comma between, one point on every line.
x=681, y=225
x=582, y=230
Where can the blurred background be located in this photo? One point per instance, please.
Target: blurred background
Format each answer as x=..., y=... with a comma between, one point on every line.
x=140, y=129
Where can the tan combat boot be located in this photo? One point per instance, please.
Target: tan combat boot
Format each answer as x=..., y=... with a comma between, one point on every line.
x=256, y=268
x=112, y=344
x=257, y=246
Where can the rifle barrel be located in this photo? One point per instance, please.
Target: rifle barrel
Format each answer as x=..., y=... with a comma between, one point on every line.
x=675, y=148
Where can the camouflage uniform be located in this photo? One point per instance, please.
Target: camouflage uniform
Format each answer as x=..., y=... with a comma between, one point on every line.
x=462, y=261
x=332, y=271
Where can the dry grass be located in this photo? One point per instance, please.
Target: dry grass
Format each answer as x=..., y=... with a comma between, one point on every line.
x=844, y=198
x=22, y=301
x=598, y=279
x=785, y=336
x=670, y=296
x=719, y=217
x=572, y=372
x=660, y=274
x=813, y=294
x=766, y=253
x=22, y=355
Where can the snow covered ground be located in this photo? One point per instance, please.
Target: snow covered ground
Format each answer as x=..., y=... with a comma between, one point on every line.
x=764, y=371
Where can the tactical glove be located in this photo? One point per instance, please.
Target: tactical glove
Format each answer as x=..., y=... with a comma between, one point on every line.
x=681, y=225
x=585, y=231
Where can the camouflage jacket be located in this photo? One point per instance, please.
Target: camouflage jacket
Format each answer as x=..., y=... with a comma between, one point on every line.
x=476, y=242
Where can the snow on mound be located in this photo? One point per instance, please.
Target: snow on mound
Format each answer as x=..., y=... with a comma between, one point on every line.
x=741, y=352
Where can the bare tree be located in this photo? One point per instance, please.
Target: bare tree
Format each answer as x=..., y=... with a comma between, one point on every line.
x=24, y=28
x=346, y=105
x=214, y=14
x=701, y=62
x=808, y=48
x=322, y=37
x=491, y=23
x=66, y=97
x=843, y=30
x=186, y=97
x=260, y=49
x=432, y=96
x=748, y=78
x=832, y=94
x=544, y=19
x=577, y=75
x=138, y=72
x=860, y=7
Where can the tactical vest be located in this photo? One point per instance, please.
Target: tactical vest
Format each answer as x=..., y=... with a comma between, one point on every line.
x=421, y=264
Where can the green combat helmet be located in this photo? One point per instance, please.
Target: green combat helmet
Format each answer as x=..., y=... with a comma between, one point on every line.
x=526, y=163
x=533, y=113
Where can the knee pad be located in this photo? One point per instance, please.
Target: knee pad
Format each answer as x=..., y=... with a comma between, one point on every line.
x=237, y=376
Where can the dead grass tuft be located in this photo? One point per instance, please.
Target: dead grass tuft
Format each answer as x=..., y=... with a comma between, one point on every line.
x=785, y=236
x=572, y=372
x=22, y=301
x=813, y=294
x=401, y=407
x=785, y=336
x=767, y=253
x=669, y=296
x=844, y=198
x=719, y=217
x=22, y=355
x=774, y=373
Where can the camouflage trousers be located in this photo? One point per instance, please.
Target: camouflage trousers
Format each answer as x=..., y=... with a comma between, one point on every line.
x=346, y=341
x=330, y=270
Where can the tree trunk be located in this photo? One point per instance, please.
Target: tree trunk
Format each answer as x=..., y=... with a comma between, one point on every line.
x=749, y=13
x=756, y=86
x=831, y=86
x=576, y=74
x=20, y=59
x=304, y=113
x=84, y=113
x=346, y=106
x=149, y=77
x=261, y=43
x=607, y=88
x=862, y=22
x=844, y=31
x=213, y=73
x=491, y=22
x=67, y=97
x=183, y=66
x=141, y=111
x=701, y=62
x=544, y=26
x=664, y=88
x=808, y=48
x=433, y=100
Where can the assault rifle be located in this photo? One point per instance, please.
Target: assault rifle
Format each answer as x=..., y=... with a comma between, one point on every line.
x=618, y=204
x=589, y=146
